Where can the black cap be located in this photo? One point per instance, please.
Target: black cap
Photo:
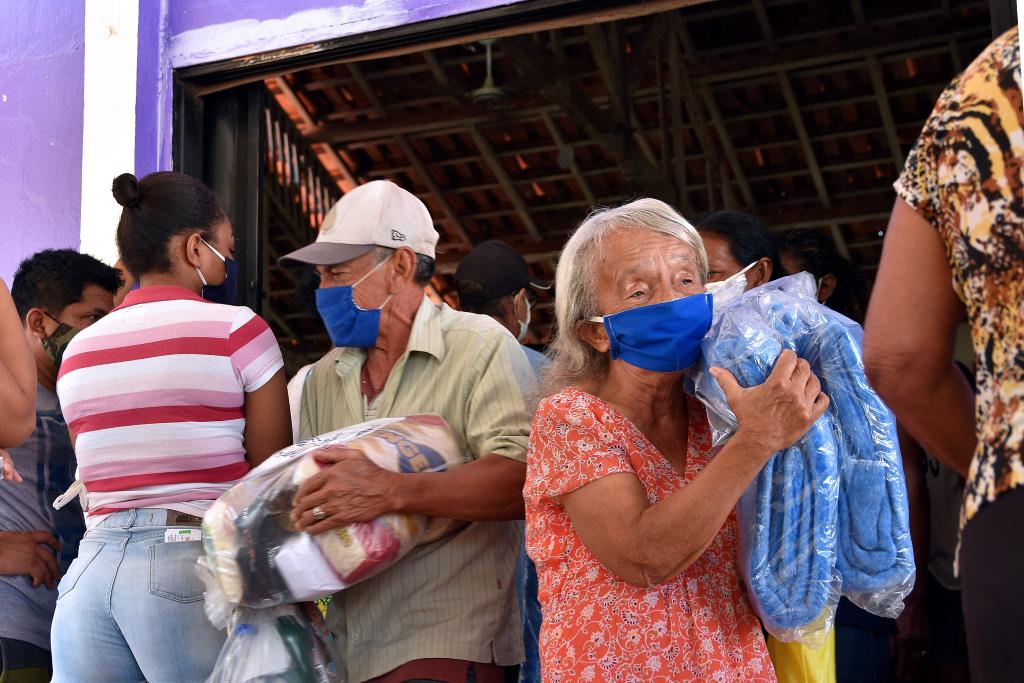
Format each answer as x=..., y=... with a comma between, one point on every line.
x=496, y=269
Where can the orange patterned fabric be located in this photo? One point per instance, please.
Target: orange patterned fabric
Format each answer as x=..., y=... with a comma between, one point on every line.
x=698, y=626
x=965, y=176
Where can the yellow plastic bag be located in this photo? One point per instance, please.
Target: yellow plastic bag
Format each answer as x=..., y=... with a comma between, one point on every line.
x=799, y=663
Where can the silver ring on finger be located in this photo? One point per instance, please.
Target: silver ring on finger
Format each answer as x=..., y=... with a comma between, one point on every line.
x=319, y=514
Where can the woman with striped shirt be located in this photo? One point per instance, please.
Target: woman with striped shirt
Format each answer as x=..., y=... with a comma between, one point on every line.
x=157, y=396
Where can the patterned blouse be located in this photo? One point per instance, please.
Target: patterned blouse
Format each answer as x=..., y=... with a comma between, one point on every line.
x=964, y=176
x=698, y=626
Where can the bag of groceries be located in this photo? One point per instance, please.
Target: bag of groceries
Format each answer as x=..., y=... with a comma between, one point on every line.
x=256, y=558
x=284, y=644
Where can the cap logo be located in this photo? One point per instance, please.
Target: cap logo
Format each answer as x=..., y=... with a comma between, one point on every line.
x=397, y=236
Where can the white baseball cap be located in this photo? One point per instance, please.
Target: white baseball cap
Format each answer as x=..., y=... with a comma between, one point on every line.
x=377, y=214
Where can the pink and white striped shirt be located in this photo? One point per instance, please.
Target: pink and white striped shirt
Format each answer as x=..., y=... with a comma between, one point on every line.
x=155, y=393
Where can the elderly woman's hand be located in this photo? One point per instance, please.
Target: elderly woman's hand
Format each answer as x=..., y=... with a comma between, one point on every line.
x=777, y=413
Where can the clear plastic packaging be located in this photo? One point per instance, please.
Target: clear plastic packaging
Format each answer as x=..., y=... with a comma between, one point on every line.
x=875, y=552
x=256, y=558
x=828, y=515
x=285, y=644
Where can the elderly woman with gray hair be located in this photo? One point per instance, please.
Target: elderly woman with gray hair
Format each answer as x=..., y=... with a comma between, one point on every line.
x=629, y=510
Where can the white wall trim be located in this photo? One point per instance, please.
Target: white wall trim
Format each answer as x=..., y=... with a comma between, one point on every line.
x=108, y=121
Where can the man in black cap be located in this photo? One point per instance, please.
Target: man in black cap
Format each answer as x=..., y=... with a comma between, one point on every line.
x=493, y=279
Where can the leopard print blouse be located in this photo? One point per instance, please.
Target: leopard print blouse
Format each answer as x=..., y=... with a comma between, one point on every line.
x=965, y=176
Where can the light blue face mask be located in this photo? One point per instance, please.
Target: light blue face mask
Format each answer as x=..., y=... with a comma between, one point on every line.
x=347, y=323
x=662, y=337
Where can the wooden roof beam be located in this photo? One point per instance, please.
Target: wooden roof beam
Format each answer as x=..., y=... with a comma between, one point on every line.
x=410, y=153
x=859, y=17
x=727, y=147
x=878, y=83
x=428, y=180
x=364, y=85
x=436, y=69
x=688, y=96
x=305, y=122
x=805, y=140
x=328, y=156
x=574, y=167
x=531, y=250
x=812, y=163
x=676, y=87
x=451, y=121
x=536, y=64
x=852, y=48
x=447, y=264
x=765, y=25
x=487, y=151
x=540, y=208
x=609, y=65
x=424, y=122
x=606, y=50
x=643, y=47
x=954, y=52
x=862, y=208
x=479, y=57
x=839, y=240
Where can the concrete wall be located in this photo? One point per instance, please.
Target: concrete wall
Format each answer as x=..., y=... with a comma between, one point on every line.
x=41, y=85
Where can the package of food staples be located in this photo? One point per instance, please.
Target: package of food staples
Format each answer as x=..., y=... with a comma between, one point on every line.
x=284, y=644
x=256, y=558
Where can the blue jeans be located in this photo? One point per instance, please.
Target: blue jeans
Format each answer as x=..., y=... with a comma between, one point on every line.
x=529, y=609
x=130, y=607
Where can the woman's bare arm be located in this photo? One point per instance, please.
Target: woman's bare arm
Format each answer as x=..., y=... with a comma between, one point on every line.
x=909, y=340
x=646, y=544
x=268, y=426
x=17, y=376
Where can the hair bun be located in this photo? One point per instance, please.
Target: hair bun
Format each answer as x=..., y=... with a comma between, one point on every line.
x=126, y=190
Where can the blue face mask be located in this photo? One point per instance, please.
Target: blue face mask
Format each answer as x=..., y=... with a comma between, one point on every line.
x=224, y=293
x=347, y=324
x=663, y=337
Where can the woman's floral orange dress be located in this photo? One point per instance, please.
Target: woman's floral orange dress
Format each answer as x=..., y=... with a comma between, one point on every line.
x=697, y=627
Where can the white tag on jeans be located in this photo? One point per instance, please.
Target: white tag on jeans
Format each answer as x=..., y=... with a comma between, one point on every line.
x=178, y=535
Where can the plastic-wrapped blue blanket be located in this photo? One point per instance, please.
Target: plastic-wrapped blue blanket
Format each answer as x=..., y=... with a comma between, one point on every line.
x=829, y=514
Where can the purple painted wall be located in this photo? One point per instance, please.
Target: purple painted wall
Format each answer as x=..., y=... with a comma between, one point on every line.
x=186, y=15
x=178, y=33
x=42, y=75
x=42, y=71
x=151, y=71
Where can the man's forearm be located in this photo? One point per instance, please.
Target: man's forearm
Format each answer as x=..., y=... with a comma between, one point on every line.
x=488, y=489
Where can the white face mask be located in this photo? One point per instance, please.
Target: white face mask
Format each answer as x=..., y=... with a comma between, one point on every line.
x=728, y=290
x=524, y=327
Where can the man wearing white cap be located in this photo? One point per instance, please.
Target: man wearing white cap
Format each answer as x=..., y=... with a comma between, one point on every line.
x=445, y=612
